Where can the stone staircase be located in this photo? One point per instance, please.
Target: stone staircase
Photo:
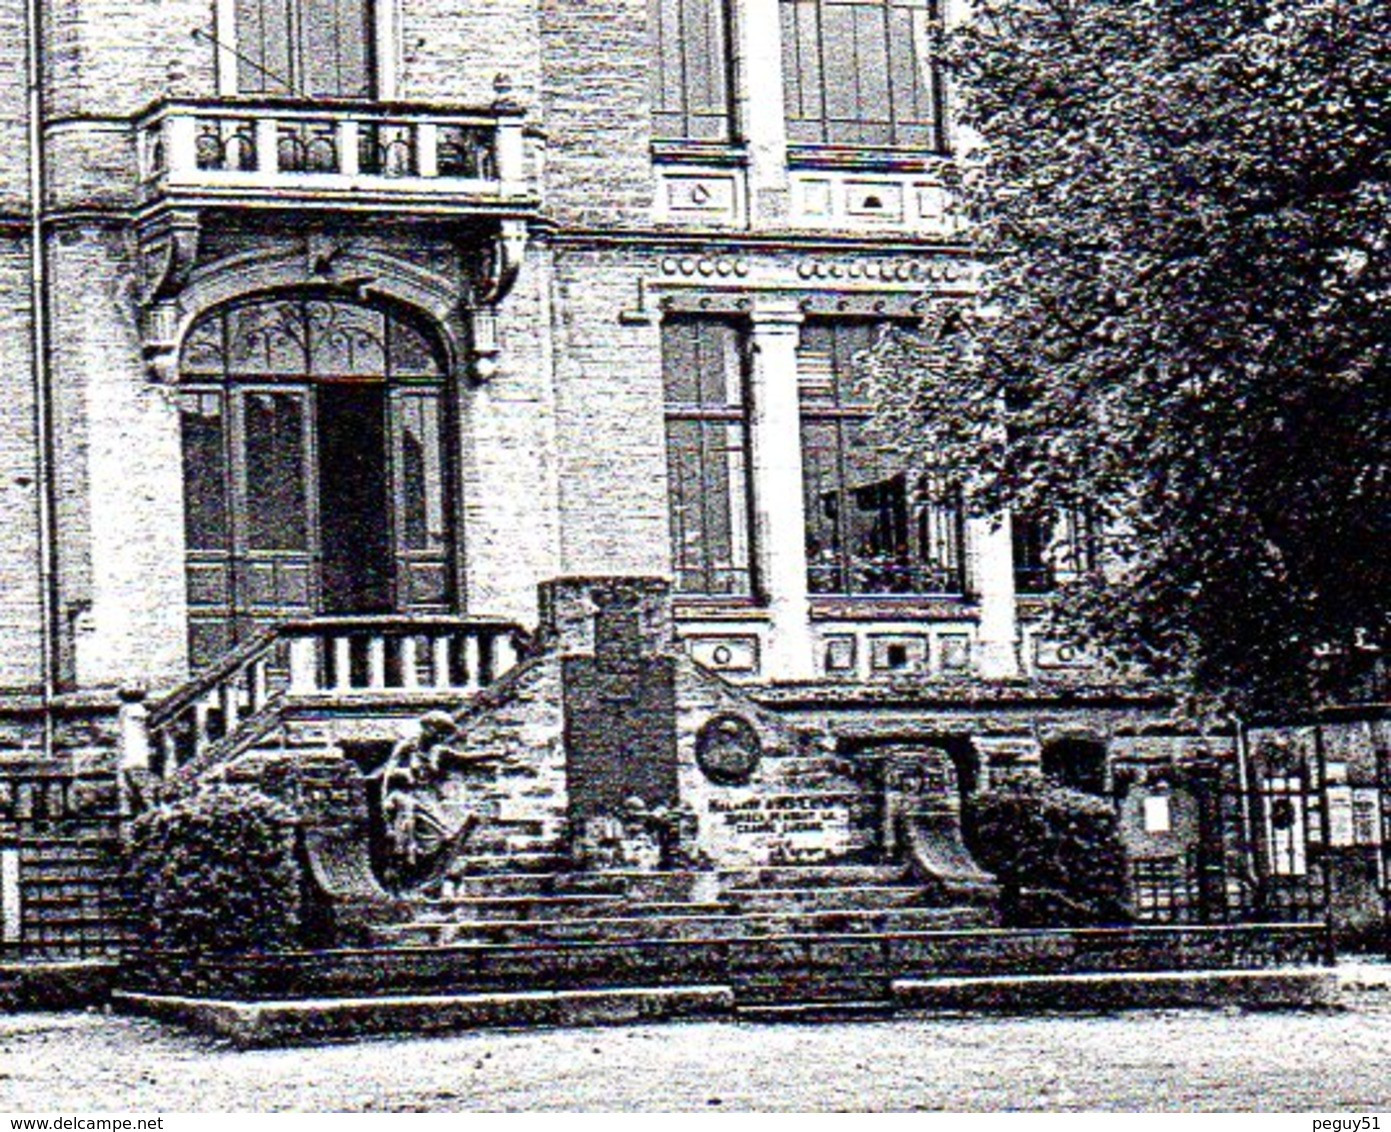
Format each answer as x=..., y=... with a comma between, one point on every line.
x=787, y=936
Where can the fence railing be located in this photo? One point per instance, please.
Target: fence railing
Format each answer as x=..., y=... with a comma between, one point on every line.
x=363, y=659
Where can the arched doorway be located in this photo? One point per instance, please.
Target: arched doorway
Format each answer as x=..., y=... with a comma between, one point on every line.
x=315, y=469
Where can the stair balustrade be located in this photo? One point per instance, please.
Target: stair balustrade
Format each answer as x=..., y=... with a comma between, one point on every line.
x=323, y=660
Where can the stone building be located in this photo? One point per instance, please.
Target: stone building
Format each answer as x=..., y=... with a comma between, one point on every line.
x=345, y=324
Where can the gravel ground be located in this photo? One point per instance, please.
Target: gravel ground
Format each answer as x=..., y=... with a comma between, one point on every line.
x=1157, y=1060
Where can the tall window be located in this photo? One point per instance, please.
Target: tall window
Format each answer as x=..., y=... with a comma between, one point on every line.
x=874, y=526
x=861, y=72
x=706, y=456
x=306, y=48
x=690, y=79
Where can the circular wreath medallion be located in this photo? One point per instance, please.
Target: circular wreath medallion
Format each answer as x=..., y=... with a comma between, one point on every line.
x=728, y=750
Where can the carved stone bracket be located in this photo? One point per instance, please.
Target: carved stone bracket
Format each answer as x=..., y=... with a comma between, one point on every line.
x=502, y=260
x=496, y=270
x=168, y=251
x=168, y=247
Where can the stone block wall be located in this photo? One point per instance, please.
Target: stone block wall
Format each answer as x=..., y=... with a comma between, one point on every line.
x=597, y=112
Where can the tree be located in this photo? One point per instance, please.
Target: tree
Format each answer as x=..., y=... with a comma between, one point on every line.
x=1181, y=210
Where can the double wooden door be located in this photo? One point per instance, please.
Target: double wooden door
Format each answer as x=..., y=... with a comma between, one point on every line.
x=319, y=491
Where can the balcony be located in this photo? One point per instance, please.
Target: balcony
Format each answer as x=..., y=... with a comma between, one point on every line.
x=393, y=157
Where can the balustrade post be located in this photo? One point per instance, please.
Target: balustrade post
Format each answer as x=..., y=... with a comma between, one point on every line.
x=342, y=663
x=348, y=152
x=440, y=646
x=508, y=151
x=376, y=661
x=410, y=674
x=202, y=732
x=427, y=150
x=181, y=146
x=133, y=726
x=473, y=656
x=260, y=690
x=169, y=745
x=504, y=654
x=229, y=699
x=304, y=668
x=267, y=145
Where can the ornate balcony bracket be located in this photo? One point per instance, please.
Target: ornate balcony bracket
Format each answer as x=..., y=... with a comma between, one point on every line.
x=502, y=260
x=498, y=262
x=168, y=249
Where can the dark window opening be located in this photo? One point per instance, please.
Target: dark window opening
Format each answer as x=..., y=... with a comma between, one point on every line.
x=1079, y=764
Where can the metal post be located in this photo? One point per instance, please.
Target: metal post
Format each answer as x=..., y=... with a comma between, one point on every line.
x=1326, y=849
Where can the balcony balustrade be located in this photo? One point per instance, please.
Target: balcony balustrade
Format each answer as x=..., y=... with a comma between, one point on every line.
x=310, y=153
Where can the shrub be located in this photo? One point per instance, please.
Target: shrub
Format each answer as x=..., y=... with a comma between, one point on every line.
x=1056, y=852
x=216, y=871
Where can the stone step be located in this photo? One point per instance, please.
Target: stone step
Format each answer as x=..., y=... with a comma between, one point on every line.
x=527, y=906
x=690, y=926
x=824, y=899
x=812, y=876
x=638, y=885
x=774, y=968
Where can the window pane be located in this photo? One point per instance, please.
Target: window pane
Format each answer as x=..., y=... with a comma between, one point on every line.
x=336, y=47
x=275, y=488
x=205, y=471
x=263, y=44
x=873, y=526
x=421, y=473
x=700, y=364
x=859, y=72
x=345, y=340
x=709, y=514
x=690, y=81
x=1031, y=536
x=706, y=457
x=267, y=339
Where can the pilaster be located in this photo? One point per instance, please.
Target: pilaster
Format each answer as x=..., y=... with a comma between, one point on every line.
x=758, y=86
x=997, y=656
x=776, y=471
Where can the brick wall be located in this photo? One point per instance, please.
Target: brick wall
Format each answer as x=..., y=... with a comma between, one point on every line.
x=611, y=444
x=14, y=171
x=121, y=596
x=597, y=111
x=19, y=584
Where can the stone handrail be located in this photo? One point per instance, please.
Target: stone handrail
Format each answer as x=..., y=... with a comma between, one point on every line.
x=315, y=659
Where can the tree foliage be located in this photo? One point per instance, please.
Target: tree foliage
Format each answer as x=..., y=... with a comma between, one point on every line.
x=216, y=871
x=1053, y=841
x=1182, y=212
